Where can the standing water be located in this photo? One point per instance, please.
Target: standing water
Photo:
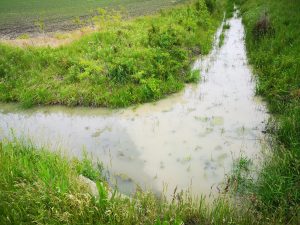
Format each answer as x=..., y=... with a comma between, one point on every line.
x=188, y=140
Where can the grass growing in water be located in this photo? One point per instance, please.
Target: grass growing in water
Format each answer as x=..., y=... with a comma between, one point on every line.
x=122, y=64
x=225, y=27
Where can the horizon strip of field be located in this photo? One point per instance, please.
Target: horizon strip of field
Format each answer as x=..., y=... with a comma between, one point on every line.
x=18, y=17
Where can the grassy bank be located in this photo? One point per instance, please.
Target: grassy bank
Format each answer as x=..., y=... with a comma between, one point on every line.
x=39, y=187
x=273, y=45
x=124, y=63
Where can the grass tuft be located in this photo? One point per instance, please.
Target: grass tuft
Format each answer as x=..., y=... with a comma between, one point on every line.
x=262, y=27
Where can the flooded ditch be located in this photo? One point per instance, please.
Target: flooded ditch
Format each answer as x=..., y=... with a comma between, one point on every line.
x=188, y=140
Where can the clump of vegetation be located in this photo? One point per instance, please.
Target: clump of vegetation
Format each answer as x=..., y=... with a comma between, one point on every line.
x=61, y=36
x=231, y=7
x=23, y=36
x=40, y=25
x=226, y=26
x=221, y=39
x=193, y=77
x=211, y=5
x=240, y=179
x=124, y=63
x=262, y=27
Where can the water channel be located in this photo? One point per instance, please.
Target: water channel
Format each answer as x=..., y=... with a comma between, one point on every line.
x=188, y=140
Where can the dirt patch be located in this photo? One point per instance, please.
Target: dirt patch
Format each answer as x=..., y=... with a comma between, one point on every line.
x=52, y=39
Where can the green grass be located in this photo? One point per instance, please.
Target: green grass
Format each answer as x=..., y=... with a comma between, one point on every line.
x=39, y=187
x=273, y=45
x=17, y=15
x=124, y=63
x=225, y=27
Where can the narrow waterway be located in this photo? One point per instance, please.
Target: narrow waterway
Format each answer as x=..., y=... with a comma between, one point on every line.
x=188, y=140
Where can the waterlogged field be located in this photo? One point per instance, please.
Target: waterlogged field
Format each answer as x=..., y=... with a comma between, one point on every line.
x=18, y=17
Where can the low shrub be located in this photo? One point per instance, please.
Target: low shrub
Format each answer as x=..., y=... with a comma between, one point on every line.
x=211, y=5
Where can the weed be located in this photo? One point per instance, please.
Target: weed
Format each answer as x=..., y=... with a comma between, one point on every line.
x=23, y=36
x=40, y=25
x=87, y=169
x=61, y=36
x=211, y=5
x=262, y=27
x=225, y=27
x=240, y=179
x=221, y=39
x=194, y=76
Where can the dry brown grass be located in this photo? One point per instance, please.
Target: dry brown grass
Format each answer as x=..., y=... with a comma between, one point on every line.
x=50, y=39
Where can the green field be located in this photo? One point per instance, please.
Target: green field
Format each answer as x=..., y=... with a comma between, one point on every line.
x=18, y=16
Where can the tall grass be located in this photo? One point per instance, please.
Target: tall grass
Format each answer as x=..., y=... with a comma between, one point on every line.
x=124, y=63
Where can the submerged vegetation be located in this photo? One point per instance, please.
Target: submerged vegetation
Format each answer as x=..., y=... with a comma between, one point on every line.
x=124, y=63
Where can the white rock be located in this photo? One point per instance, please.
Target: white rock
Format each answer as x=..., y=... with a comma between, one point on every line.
x=91, y=185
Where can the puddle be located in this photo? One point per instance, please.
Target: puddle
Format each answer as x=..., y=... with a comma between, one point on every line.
x=188, y=140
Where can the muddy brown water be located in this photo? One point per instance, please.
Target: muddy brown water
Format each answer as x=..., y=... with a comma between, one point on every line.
x=188, y=140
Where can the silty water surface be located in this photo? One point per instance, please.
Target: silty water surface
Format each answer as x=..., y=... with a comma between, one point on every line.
x=188, y=140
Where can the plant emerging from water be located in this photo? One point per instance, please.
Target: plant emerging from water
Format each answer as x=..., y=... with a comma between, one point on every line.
x=226, y=26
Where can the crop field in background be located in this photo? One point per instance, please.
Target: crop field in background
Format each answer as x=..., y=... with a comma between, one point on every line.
x=19, y=16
